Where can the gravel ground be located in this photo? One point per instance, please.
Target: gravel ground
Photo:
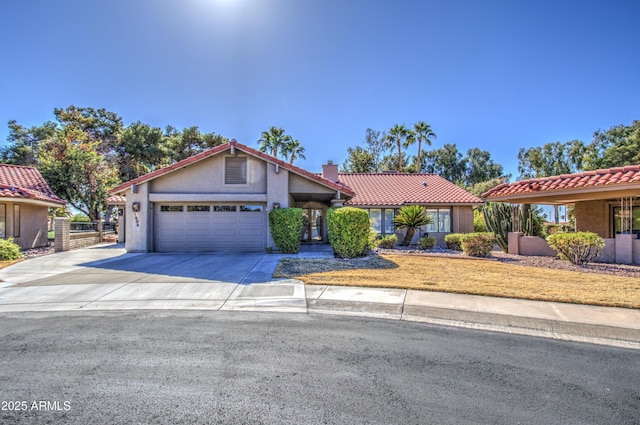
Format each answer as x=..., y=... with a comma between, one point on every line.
x=529, y=261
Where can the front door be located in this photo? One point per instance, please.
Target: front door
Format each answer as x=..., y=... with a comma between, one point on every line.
x=312, y=225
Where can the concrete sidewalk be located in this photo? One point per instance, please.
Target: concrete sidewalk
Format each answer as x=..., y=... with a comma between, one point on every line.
x=107, y=278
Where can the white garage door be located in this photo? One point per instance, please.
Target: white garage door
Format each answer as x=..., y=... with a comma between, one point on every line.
x=209, y=227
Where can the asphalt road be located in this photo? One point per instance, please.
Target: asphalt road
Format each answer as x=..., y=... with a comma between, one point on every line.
x=251, y=368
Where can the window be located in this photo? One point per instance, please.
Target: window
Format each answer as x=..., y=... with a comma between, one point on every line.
x=389, y=215
x=16, y=221
x=171, y=208
x=3, y=220
x=635, y=220
x=198, y=208
x=375, y=220
x=250, y=208
x=224, y=208
x=441, y=221
x=235, y=170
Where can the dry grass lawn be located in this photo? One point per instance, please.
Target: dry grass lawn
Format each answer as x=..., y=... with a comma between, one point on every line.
x=466, y=276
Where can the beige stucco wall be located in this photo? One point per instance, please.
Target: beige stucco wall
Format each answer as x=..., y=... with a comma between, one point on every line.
x=462, y=219
x=33, y=225
x=593, y=216
x=277, y=191
x=207, y=176
x=299, y=184
x=139, y=225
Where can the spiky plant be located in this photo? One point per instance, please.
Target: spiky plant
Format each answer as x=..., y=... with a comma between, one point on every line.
x=411, y=217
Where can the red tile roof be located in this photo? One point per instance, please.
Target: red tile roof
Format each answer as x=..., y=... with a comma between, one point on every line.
x=396, y=189
x=218, y=149
x=588, y=179
x=25, y=183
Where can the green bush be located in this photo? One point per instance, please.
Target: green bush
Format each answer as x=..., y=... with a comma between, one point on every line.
x=478, y=244
x=388, y=241
x=454, y=241
x=427, y=242
x=286, y=225
x=349, y=231
x=374, y=239
x=80, y=218
x=9, y=250
x=479, y=225
x=579, y=248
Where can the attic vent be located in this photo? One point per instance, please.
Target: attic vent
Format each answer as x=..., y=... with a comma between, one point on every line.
x=235, y=170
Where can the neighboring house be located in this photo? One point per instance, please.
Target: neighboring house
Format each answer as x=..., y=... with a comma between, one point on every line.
x=607, y=202
x=218, y=200
x=25, y=199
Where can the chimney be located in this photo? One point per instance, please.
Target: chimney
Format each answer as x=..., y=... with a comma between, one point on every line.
x=330, y=171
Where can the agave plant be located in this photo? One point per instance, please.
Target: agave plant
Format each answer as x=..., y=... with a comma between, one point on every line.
x=411, y=217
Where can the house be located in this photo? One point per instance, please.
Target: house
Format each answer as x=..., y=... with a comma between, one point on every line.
x=606, y=202
x=218, y=200
x=25, y=199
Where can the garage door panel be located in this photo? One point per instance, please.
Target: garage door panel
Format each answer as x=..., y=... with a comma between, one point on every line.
x=205, y=228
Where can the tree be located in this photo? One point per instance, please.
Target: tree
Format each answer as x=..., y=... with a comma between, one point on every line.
x=446, y=162
x=550, y=160
x=24, y=143
x=423, y=133
x=401, y=136
x=141, y=150
x=411, y=217
x=359, y=160
x=377, y=144
x=271, y=140
x=616, y=147
x=480, y=167
x=293, y=149
x=76, y=171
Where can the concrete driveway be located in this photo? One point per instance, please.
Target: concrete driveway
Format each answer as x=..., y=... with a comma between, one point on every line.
x=107, y=277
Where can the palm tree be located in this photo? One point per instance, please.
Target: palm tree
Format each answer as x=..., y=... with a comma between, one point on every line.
x=293, y=149
x=270, y=141
x=398, y=134
x=411, y=217
x=423, y=132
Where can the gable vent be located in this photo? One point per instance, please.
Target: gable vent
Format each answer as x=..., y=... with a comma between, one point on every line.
x=235, y=170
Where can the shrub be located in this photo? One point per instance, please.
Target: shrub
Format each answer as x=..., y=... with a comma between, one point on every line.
x=388, y=241
x=9, y=250
x=427, y=242
x=478, y=244
x=374, y=239
x=479, y=225
x=579, y=248
x=80, y=218
x=286, y=224
x=454, y=241
x=349, y=231
x=411, y=217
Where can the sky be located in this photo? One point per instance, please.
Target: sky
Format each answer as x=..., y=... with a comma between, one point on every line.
x=498, y=75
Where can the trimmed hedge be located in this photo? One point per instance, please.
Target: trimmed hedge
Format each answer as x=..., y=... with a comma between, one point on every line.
x=579, y=248
x=478, y=244
x=349, y=231
x=427, y=242
x=454, y=241
x=9, y=250
x=286, y=225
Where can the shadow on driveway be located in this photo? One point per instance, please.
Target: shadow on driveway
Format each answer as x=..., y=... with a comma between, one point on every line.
x=158, y=268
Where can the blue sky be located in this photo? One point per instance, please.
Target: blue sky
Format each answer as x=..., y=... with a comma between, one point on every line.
x=499, y=75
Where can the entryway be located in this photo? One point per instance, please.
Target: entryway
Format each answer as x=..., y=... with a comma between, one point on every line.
x=312, y=225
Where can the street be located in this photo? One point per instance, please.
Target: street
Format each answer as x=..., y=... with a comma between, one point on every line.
x=172, y=367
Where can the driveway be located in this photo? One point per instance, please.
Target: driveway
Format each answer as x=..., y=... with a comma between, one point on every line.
x=106, y=276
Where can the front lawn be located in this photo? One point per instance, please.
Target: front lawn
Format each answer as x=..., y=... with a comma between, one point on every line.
x=466, y=276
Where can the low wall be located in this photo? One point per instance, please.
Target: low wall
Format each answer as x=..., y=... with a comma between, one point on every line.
x=624, y=249
x=83, y=239
x=65, y=240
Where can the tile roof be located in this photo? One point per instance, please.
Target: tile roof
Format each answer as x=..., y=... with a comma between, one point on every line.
x=218, y=149
x=396, y=189
x=22, y=182
x=586, y=180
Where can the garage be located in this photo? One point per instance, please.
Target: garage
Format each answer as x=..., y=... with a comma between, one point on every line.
x=209, y=227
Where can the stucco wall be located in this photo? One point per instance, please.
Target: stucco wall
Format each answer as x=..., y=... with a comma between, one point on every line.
x=299, y=184
x=277, y=191
x=207, y=176
x=33, y=225
x=462, y=219
x=593, y=216
x=140, y=224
